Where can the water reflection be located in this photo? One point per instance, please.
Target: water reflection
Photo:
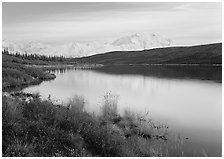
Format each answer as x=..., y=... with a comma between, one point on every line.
x=190, y=107
x=177, y=72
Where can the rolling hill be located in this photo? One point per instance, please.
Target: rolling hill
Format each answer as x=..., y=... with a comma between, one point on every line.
x=199, y=54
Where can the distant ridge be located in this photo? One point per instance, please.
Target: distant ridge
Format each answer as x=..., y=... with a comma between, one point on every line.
x=138, y=41
x=199, y=54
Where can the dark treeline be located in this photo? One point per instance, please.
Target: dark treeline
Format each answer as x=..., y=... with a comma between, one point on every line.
x=37, y=57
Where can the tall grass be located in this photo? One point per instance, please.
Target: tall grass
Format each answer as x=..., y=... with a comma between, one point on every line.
x=109, y=108
x=40, y=128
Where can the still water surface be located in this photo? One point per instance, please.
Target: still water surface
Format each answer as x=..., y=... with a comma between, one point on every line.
x=190, y=106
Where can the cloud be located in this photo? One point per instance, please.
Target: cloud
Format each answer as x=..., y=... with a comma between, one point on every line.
x=67, y=22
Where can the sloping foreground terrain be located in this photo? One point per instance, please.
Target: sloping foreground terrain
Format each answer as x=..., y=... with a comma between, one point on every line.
x=32, y=127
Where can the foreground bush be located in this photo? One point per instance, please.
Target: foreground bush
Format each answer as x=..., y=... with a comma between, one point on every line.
x=38, y=127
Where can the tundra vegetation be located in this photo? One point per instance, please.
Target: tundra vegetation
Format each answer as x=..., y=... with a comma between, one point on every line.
x=32, y=126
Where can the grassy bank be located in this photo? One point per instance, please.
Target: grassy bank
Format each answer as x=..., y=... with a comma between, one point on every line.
x=35, y=127
x=16, y=74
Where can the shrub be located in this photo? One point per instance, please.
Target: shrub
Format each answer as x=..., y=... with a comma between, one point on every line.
x=11, y=115
x=109, y=108
x=75, y=106
x=41, y=128
x=11, y=109
x=37, y=110
x=19, y=149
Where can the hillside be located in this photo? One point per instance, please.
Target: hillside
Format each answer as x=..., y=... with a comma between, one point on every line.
x=200, y=54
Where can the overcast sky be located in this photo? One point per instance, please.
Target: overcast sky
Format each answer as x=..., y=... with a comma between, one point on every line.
x=60, y=23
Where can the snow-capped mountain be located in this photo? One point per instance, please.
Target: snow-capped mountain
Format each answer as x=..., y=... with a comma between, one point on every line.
x=77, y=49
x=142, y=41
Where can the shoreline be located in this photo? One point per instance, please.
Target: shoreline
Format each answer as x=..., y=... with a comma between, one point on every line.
x=51, y=76
x=10, y=87
x=95, y=65
x=218, y=65
x=61, y=66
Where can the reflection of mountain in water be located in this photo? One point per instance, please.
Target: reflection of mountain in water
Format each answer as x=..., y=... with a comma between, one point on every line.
x=213, y=73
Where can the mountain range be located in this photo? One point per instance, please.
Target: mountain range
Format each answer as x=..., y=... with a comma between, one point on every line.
x=138, y=41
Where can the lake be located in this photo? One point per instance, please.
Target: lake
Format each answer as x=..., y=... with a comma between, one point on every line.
x=186, y=98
